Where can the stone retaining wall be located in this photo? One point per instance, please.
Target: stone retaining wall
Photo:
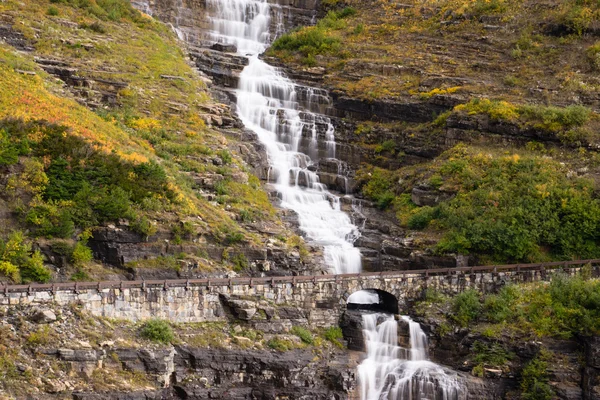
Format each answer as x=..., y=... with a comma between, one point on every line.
x=317, y=302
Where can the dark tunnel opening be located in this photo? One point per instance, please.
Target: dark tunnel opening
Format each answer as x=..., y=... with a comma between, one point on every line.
x=373, y=300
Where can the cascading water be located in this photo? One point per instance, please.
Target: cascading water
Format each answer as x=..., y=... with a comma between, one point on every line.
x=392, y=372
x=267, y=103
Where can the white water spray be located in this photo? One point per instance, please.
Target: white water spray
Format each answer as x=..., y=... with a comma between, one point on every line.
x=392, y=372
x=267, y=103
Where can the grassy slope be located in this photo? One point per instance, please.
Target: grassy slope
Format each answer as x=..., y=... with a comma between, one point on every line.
x=159, y=123
x=496, y=48
x=505, y=59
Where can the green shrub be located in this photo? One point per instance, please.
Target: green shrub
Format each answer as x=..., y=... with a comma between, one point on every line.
x=240, y=262
x=158, y=331
x=435, y=181
x=433, y=296
x=377, y=185
x=513, y=209
x=386, y=146
x=52, y=11
x=81, y=186
x=593, y=56
x=422, y=218
x=307, y=41
x=304, y=334
x=112, y=204
x=334, y=335
x=183, y=230
x=566, y=307
x=13, y=141
x=575, y=305
x=143, y=226
x=233, y=238
x=16, y=252
x=33, y=270
x=10, y=270
x=51, y=219
x=576, y=18
x=80, y=276
x=62, y=248
x=466, y=307
x=225, y=156
x=82, y=254
x=501, y=307
x=221, y=188
x=493, y=355
x=346, y=12
x=478, y=371
x=41, y=337
x=8, y=369
x=555, y=118
x=280, y=344
x=549, y=118
x=385, y=200
x=534, y=381
x=313, y=40
x=246, y=216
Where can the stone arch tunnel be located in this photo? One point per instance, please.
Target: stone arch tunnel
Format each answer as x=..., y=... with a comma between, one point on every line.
x=373, y=300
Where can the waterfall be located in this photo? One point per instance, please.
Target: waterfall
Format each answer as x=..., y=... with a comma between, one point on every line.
x=268, y=103
x=392, y=372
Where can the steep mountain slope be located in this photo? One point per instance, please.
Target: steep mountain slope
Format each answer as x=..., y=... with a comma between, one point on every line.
x=475, y=123
x=109, y=139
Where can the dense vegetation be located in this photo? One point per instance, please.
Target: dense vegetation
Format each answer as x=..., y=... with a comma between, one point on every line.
x=19, y=263
x=566, y=124
x=314, y=40
x=507, y=207
x=567, y=307
x=422, y=37
x=77, y=186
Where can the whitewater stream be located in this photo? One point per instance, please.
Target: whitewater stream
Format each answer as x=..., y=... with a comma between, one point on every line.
x=392, y=372
x=269, y=104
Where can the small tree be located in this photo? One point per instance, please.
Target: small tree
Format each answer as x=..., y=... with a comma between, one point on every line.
x=157, y=330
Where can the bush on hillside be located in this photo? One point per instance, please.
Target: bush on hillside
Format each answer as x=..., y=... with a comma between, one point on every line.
x=304, y=334
x=158, y=331
x=82, y=187
x=16, y=253
x=466, y=307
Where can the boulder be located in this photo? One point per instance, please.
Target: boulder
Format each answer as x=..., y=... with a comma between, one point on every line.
x=426, y=196
x=224, y=48
x=40, y=316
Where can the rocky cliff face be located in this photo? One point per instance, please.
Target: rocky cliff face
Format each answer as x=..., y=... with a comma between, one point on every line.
x=196, y=373
x=59, y=352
